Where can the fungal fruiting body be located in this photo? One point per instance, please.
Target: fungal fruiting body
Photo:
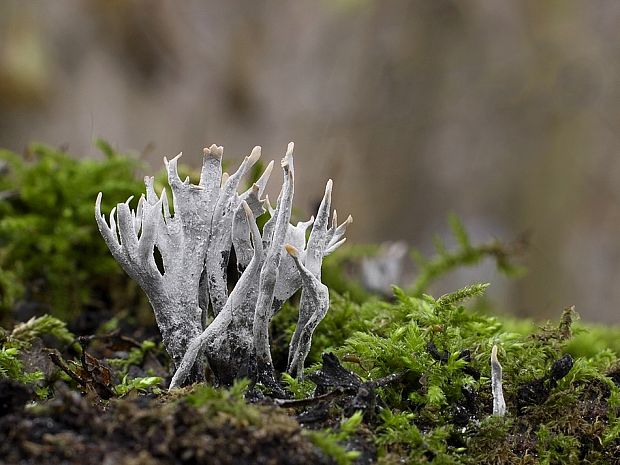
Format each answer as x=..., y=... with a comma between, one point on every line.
x=200, y=321
x=499, y=405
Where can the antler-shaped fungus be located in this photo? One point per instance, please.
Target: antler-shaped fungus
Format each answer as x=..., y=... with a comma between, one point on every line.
x=195, y=244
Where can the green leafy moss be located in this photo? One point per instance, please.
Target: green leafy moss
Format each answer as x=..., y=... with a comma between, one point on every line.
x=441, y=411
x=144, y=384
x=443, y=349
x=50, y=250
x=465, y=254
x=331, y=441
x=11, y=367
x=23, y=334
x=299, y=389
x=135, y=357
x=16, y=343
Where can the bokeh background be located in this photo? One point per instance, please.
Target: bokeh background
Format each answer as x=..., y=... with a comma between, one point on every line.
x=505, y=113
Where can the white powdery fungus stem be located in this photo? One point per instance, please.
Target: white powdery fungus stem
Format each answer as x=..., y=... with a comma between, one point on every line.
x=313, y=306
x=308, y=305
x=222, y=338
x=317, y=241
x=133, y=247
x=241, y=227
x=499, y=405
x=314, y=302
x=220, y=239
x=290, y=282
x=269, y=273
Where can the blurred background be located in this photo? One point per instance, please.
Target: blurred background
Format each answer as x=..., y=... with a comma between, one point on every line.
x=505, y=113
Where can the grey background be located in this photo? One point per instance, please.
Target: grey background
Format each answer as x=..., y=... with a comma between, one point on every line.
x=506, y=113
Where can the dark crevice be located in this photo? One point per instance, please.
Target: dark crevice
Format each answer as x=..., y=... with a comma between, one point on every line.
x=159, y=261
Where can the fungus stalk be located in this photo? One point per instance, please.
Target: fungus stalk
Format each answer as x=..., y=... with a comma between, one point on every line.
x=210, y=219
x=499, y=405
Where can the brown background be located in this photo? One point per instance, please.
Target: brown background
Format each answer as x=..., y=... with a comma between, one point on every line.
x=507, y=113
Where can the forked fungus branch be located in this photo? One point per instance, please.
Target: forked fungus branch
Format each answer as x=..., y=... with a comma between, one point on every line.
x=200, y=322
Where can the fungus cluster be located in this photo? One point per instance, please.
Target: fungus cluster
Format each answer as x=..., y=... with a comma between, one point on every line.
x=201, y=322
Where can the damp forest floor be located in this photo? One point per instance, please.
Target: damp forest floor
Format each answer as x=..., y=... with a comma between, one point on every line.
x=402, y=380
x=398, y=379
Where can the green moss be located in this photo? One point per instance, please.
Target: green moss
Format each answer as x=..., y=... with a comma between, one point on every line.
x=230, y=405
x=50, y=251
x=15, y=345
x=465, y=254
x=23, y=334
x=299, y=389
x=51, y=254
x=441, y=411
x=135, y=357
x=145, y=384
x=331, y=441
x=11, y=367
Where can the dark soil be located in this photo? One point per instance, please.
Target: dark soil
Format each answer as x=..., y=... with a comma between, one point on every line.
x=72, y=429
x=85, y=422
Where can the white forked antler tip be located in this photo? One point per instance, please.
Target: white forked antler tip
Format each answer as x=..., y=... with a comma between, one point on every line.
x=167, y=162
x=494, y=354
x=349, y=219
x=267, y=204
x=288, y=158
x=99, y=197
x=248, y=210
x=303, y=225
x=255, y=154
x=335, y=246
x=329, y=185
x=214, y=151
x=225, y=177
x=292, y=250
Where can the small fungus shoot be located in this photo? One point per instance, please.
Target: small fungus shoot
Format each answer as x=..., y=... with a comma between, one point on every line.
x=499, y=405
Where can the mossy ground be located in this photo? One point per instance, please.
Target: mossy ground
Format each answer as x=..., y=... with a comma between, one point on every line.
x=72, y=429
x=408, y=384
x=399, y=380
